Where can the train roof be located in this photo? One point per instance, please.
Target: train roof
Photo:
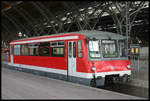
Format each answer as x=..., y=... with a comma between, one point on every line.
x=88, y=33
x=96, y=34
x=101, y=34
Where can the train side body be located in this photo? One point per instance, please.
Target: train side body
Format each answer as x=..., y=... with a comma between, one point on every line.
x=81, y=72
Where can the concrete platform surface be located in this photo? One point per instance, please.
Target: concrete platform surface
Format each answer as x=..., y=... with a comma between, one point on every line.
x=20, y=85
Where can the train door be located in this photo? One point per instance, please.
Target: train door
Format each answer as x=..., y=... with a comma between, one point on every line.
x=71, y=58
x=11, y=55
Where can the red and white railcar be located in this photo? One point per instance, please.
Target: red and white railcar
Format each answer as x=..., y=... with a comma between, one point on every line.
x=86, y=57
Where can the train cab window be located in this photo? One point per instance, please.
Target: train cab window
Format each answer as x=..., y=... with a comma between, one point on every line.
x=33, y=49
x=16, y=49
x=44, y=49
x=79, y=49
x=109, y=48
x=57, y=49
x=94, y=49
x=122, y=48
x=74, y=49
x=24, y=49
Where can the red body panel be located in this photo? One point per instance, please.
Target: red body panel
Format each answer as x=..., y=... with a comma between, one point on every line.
x=109, y=65
x=82, y=63
x=48, y=62
x=45, y=61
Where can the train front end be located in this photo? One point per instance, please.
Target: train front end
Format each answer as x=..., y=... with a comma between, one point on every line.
x=108, y=61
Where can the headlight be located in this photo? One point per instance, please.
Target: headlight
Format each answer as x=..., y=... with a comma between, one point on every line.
x=94, y=69
x=128, y=66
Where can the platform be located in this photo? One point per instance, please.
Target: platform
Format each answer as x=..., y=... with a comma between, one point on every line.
x=20, y=85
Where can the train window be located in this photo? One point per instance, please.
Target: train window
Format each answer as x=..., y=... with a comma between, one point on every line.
x=70, y=49
x=24, y=49
x=44, y=44
x=53, y=43
x=44, y=49
x=74, y=49
x=57, y=44
x=122, y=48
x=57, y=51
x=33, y=49
x=16, y=49
x=60, y=43
x=11, y=50
x=94, y=49
x=79, y=49
x=109, y=48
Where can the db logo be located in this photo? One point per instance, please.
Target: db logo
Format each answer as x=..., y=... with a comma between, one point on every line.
x=112, y=68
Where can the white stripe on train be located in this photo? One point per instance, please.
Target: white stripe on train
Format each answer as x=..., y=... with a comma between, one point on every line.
x=47, y=39
x=76, y=74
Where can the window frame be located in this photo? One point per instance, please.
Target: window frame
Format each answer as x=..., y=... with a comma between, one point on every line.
x=44, y=47
x=14, y=50
x=57, y=46
x=116, y=46
x=99, y=46
x=124, y=41
x=27, y=49
x=37, y=49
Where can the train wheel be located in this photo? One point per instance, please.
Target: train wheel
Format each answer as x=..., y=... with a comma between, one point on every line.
x=93, y=83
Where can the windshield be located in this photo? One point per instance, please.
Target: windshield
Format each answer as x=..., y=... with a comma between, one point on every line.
x=122, y=48
x=109, y=48
x=94, y=49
